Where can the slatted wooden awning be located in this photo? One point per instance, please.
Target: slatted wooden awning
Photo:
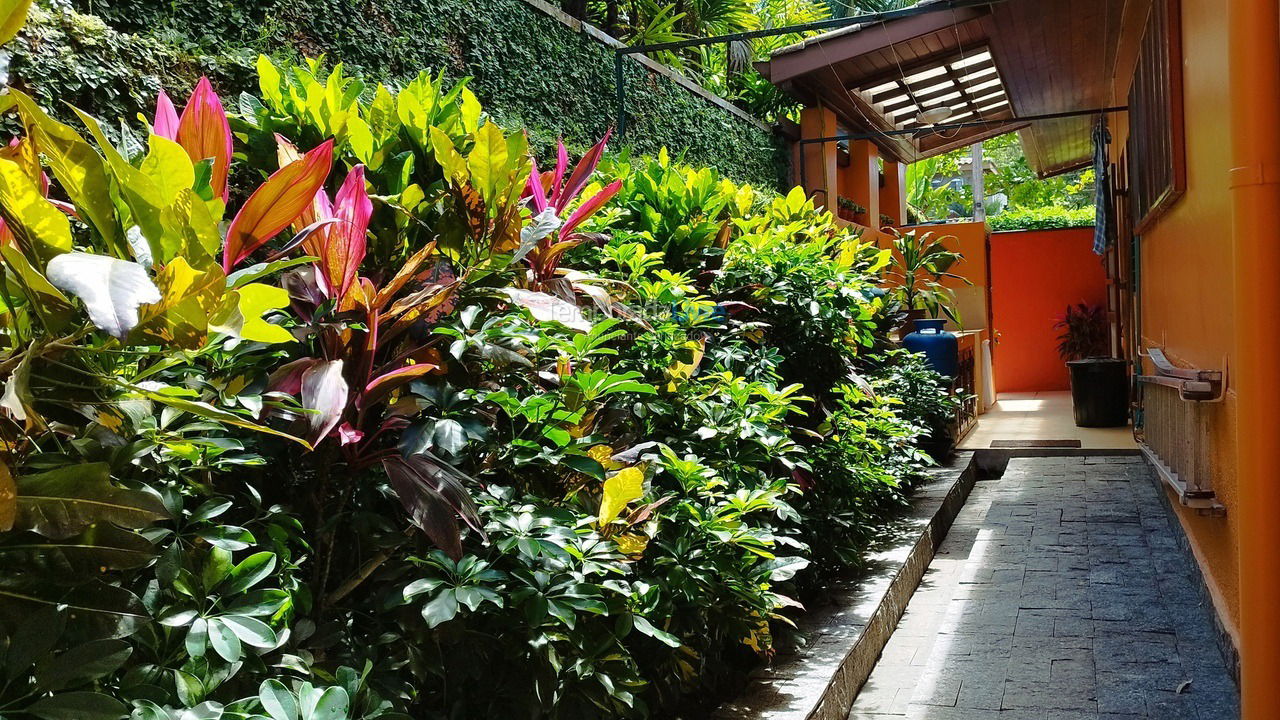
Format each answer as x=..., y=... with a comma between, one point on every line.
x=1017, y=58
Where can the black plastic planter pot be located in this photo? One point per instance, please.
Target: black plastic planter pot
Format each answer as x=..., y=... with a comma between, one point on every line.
x=1100, y=392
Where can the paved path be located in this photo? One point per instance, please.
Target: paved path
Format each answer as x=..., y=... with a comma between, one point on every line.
x=1059, y=594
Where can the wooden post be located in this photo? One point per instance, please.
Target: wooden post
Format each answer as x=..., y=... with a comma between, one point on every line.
x=864, y=179
x=893, y=196
x=820, y=179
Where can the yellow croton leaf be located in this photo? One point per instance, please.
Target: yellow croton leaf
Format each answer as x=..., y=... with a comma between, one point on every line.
x=169, y=167
x=8, y=499
x=760, y=639
x=631, y=543
x=624, y=486
x=242, y=311
x=188, y=297
x=41, y=228
x=13, y=14
x=603, y=454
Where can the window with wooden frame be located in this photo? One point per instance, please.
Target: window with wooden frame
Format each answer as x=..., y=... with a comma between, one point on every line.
x=1156, y=147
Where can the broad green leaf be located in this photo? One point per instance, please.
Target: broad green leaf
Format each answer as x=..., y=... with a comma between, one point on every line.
x=250, y=631
x=441, y=609
x=623, y=487
x=61, y=503
x=79, y=169
x=13, y=14
x=224, y=641
x=277, y=701
x=82, y=664
x=41, y=228
x=649, y=629
x=100, y=547
x=77, y=706
x=209, y=412
x=360, y=139
x=103, y=611
x=190, y=690
x=251, y=571
x=32, y=280
x=333, y=704
x=269, y=81
x=139, y=192
x=112, y=289
x=188, y=298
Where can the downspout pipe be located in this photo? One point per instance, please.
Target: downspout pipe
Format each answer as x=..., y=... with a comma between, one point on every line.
x=1254, y=66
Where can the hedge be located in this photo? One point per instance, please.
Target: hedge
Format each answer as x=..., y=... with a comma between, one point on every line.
x=528, y=68
x=1043, y=218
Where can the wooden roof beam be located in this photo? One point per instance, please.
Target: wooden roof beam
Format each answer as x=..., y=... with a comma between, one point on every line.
x=841, y=46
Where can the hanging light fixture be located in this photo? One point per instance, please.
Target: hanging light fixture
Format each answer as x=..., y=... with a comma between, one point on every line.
x=934, y=115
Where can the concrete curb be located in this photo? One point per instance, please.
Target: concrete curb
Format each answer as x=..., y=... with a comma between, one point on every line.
x=845, y=637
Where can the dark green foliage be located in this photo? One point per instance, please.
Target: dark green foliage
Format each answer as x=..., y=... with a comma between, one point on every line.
x=528, y=69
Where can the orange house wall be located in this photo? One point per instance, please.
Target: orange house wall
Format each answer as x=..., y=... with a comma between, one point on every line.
x=1034, y=276
x=1186, y=279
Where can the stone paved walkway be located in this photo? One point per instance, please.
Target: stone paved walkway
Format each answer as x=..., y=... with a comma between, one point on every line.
x=1059, y=594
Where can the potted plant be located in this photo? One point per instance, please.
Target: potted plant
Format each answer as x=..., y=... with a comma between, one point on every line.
x=920, y=262
x=849, y=210
x=1099, y=383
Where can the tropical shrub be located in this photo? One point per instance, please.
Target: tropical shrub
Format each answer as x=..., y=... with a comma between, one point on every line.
x=340, y=405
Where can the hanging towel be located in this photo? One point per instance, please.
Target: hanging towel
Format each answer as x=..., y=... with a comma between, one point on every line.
x=1103, y=224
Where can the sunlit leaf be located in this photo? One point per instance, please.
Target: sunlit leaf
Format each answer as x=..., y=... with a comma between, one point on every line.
x=623, y=487
x=203, y=132
x=42, y=229
x=548, y=308
x=13, y=14
x=112, y=289
x=276, y=204
x=80, y=170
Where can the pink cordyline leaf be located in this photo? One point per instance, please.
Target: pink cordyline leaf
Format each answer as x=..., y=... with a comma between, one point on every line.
x=166, y=123
x=204, y=133
x=348, y=435
x=345, y=243
x=288, y=377
x=535, y=189
x=382, y=386
x=562, y=164
x=276, y=204
x=324, y=392
x=582, y=173
x=589, y=208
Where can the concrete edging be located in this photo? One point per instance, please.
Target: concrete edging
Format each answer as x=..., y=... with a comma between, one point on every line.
x=820, y=681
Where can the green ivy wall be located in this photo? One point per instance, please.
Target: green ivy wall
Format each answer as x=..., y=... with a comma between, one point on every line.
x=527, y=67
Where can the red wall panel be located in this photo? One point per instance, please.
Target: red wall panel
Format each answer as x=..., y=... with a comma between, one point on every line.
x=1035, y=274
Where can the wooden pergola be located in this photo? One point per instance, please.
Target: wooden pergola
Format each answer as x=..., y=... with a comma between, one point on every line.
x=985, y=68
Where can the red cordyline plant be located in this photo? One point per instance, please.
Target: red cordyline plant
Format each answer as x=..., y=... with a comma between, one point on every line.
x=549, y=195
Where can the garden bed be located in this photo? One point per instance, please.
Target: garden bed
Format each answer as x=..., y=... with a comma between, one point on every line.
x=338, y=406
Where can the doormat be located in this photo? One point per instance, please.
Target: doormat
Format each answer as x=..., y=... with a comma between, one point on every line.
x=1035, y=443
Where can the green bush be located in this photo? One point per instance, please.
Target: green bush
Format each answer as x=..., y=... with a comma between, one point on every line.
x=1045, y=218
x=477, y=441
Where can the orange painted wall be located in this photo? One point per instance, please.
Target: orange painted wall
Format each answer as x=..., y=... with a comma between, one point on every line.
x=970, y=240
x=1034, y=276
x=1186, y=278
